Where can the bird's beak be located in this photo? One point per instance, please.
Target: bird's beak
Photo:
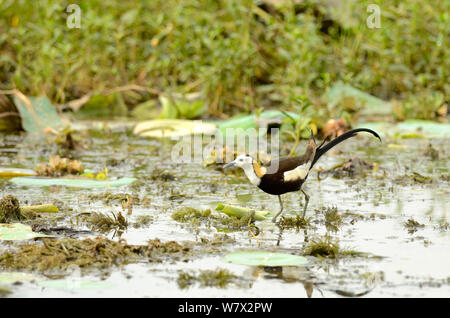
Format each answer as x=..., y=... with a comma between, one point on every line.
x=229, y=165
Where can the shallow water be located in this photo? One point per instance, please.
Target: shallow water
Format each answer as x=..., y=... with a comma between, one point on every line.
x=398, y=262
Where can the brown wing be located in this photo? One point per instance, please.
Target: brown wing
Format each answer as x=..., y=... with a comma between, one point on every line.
x=281, y=165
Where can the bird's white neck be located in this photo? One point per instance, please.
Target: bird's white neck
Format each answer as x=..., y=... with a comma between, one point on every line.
x=251, y=175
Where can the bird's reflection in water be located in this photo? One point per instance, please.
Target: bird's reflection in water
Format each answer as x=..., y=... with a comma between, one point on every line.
x=288, y=274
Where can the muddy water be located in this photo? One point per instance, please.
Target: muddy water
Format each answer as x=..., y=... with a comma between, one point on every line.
x=397, y=261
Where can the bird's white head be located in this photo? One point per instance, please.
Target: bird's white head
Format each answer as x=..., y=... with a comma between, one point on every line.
x=241, y=161
x=251, y=168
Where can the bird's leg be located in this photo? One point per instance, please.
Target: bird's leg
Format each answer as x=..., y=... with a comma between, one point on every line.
x=274, y=220
x=306, y=202
x=280, y=235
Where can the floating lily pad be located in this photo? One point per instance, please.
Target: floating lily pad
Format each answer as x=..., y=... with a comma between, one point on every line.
x=411, y=129
x=75, y=283
x=15, y=172
x=18, y=231
x=77, y=183
x=167, y=128
x=252, y=121
x=430, y=129
x=15, y=277
x=263, y=258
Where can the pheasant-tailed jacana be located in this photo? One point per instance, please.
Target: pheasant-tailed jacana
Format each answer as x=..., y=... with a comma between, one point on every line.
x=292, y=171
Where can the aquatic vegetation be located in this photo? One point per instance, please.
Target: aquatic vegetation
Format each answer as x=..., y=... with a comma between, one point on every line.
x=103, y=222
x=248, y=51
x=206, y=278
x=354, y=167
x=415, y=177
x=325, y=246
x=58, y=166
x=431, y=152
x=115, y=198
x=172, y=128
x=142, y=221
x=333, y=220
x=429, y=105
x=10, y=209
x=81, y=182
x=18, y=232
x=188, y=214
x=185, y=279
x=4, y=291
x=70, y=139
x=218, y=234
x=162, y=175
x=88, y=254
x=443, y=226
x=295, y=222
x=218, y=239
x=240, y=212
x=219, y=278
x=412, y=225
x=38, y=115
x=9, y=118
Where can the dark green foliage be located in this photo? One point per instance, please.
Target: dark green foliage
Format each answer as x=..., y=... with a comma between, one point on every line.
x=236, y=53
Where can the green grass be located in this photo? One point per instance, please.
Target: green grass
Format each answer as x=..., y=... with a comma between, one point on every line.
x=239, y=55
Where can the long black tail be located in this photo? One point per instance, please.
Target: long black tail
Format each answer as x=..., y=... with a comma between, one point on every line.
x=324, y=148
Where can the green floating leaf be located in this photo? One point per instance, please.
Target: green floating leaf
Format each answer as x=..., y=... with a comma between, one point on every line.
x=239, y=212
x=430, y=129
x=37, y=113
x=76, y=183
x=411, y=129
x=7, y=278
x=18, y=231
x=263, y=258
x=76, y=283
x=168, y=128
x=251, y=121
x=15, y=172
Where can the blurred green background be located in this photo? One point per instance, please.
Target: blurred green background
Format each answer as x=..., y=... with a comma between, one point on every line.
x=240, y=55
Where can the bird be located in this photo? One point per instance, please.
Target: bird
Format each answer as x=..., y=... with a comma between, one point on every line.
x=287, y=174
